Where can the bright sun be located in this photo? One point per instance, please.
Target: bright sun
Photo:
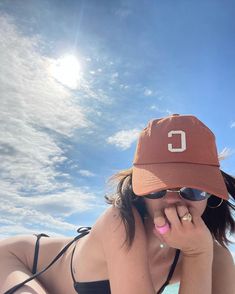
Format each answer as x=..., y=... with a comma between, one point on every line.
x=67, y=70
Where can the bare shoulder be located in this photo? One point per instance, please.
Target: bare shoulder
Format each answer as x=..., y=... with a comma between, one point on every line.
x=112, y=217
x=110, y=226
x=128, y=269
x=223, y=270
x=222, y=255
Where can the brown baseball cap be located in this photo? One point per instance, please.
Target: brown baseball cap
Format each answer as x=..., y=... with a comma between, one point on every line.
x=177, y=151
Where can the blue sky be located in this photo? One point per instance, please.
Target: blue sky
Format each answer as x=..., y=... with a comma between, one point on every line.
x=80, y=79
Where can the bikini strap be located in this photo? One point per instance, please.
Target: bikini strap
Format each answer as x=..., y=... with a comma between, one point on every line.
x=82, y=232
x=71, y=261
x=170, y=274
x=36, y=251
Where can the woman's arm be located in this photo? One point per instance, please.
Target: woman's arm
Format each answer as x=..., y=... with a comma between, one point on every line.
x=196, y=275
x=195, y=241
x=223, y=271
x=14, y=271
x=202, y=275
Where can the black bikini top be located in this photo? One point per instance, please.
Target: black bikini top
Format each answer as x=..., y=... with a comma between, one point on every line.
x=96, y=287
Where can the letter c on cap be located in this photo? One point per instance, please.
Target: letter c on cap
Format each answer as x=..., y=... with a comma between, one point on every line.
x=182, y=139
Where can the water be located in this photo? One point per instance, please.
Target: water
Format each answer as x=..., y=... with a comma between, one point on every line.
x=172, y=289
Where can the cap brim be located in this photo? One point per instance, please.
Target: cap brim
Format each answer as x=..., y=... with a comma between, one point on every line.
x=155, y=177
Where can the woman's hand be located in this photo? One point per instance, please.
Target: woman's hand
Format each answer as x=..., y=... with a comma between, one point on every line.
x=191, y=237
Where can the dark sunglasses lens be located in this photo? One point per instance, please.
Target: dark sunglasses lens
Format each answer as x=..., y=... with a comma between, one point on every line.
x=194, y=194
x=156, y=195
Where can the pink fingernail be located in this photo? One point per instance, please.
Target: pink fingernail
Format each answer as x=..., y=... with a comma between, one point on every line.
x=162, y=230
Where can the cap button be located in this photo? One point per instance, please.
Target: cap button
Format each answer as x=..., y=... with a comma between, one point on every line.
x=175, y=114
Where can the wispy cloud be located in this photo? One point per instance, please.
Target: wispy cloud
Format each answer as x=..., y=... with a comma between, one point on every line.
x=226, y=152
x=36, y=114
x=148, y=92
x=86, y=173
x=34, y=111
x=124, y=10
x=124, y=139
x=158, y=109
x=114, y=78
x=61, y=203
x=232, y=125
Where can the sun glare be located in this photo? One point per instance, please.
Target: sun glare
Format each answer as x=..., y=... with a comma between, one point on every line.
x=67, y=70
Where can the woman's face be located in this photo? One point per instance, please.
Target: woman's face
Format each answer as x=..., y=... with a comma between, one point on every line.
x=172, y=199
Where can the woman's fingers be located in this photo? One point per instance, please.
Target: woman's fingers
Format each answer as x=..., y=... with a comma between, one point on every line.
x=182, y=210
x=161, y=225
x=185, y=215
x=175, y=214
x=159, y=220
x=196, y=217
x=168, y=224
x=170, y=218
x=189, y=234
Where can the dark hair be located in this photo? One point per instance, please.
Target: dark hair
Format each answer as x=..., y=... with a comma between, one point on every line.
x=218, y=220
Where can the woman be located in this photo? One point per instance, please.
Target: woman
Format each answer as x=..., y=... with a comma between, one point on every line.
x=167, y=224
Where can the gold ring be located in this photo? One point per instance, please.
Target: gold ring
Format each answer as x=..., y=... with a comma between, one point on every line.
x=187, y=217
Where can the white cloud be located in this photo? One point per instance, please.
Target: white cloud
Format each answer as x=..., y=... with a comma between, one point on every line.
x=113, y=78
x=148, y=92
x=86, y=173
x=232, y=125
x=35, y=113
x=124, y=139
x=28, y=92
x=157, y=108
x=226, y=152
x=154, y=107
x=115, y=75
x=169, y=112
x=31, y=103
x=124, y=10
x=125, y=87
x=63, y=203
x=48, y=211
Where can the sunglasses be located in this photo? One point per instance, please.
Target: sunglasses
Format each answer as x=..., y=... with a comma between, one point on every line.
x=186, y=193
